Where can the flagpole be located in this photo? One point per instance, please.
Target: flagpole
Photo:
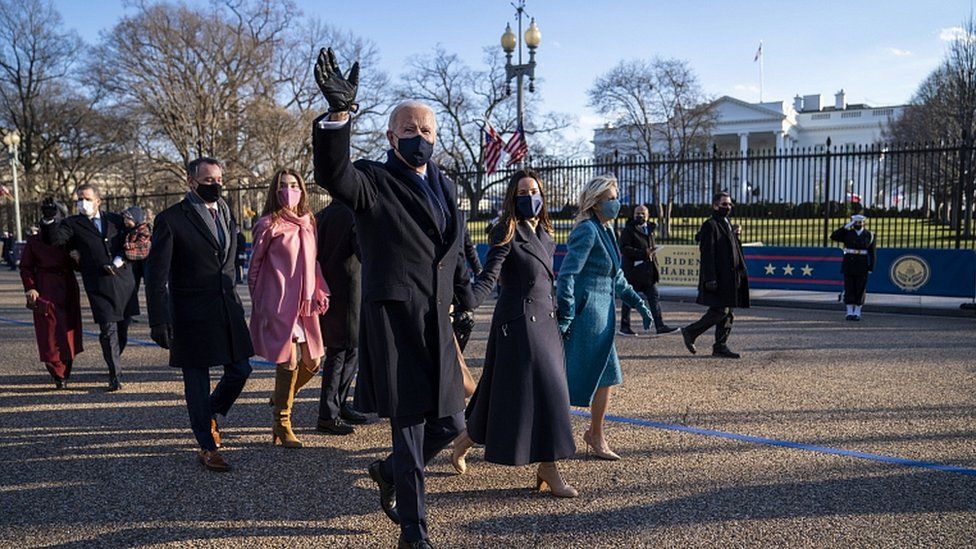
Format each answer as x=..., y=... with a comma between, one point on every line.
x=762, y=80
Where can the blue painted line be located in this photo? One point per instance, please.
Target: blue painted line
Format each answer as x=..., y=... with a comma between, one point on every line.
x=693, y=430
x=785, y=444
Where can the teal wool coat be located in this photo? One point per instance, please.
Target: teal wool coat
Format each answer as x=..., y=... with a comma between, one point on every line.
x=589, y=278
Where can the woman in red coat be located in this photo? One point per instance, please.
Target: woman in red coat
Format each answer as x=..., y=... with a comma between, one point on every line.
x=52, y=293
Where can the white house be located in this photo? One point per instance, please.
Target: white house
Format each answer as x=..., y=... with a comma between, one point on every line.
x=775, y=128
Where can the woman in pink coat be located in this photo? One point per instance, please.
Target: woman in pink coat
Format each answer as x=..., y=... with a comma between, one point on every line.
x=288, y=294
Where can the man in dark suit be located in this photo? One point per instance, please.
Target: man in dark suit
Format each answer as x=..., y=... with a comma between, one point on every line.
x=338, y=255
x=640, y=268
x=409, y=235
x=723, y=283
x=194, y=309
x=98, y=238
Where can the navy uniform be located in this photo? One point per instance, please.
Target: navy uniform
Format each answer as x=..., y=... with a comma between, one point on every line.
x=859, y=261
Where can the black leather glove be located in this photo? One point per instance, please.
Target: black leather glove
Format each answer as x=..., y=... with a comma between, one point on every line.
x=49, y=209
x=711, y=286
x=162, y=334
x=338, y=91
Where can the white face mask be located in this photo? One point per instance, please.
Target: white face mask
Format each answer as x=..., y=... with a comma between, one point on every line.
x=85, y=207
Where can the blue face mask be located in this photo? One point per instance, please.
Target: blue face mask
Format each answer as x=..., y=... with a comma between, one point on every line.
x=528, y=206
x=416, y=150
x=610, y=209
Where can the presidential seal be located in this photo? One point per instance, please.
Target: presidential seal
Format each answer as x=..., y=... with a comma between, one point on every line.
x=910, y=272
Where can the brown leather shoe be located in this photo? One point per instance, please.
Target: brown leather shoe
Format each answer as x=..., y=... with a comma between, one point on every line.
x=215, y=431
x=213, y=461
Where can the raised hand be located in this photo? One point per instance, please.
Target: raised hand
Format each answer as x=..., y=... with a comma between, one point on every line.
x=338, y=91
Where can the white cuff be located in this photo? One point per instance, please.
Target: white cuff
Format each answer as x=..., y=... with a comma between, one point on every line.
x=118, y=262
x=326, y=124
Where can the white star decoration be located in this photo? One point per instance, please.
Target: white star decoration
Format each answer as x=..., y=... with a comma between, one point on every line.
x=788, y=270
x=807, y=270
x=770, y=270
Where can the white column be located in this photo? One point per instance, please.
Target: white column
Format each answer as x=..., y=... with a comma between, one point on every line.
x=779, y=173
x=743, y=165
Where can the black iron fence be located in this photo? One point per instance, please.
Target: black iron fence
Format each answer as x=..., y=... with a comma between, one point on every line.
x=914, y=195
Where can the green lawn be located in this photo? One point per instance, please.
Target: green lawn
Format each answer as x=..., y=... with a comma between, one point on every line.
x=893, y=232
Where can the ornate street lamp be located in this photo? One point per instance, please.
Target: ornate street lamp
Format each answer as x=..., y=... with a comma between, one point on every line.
x=532, y=38
x=12, y=141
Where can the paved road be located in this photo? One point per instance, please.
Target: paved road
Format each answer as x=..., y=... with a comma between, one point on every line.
x=82, y=467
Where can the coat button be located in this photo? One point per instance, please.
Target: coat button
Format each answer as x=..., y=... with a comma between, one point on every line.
x=440, y=265
x=532, y=318
x=529, y=300
x=552, y=315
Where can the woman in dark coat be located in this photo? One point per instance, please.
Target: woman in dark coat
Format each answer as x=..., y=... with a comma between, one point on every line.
x=52, y=293
x=520, y=408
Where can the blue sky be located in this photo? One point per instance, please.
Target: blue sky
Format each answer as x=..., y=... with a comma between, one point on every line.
x=878, y=51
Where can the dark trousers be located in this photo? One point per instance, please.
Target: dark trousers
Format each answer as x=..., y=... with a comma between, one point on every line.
x=203, y=404
x=855, y=289
x=339, y=368
x=720, y=317
x=416, y=440
x=653, y=298
x=113, y=336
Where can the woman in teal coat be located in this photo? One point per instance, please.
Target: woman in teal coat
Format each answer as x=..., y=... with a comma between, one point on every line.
x=589, y=279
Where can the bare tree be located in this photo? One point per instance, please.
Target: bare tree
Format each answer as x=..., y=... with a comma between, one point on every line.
x=463, y=98
x=660, y=105
x=37, y=62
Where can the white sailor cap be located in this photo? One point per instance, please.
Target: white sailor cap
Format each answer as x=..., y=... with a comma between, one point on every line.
x=858, y=217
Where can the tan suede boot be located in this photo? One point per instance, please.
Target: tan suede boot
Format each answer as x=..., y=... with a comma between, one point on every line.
x=284, y=398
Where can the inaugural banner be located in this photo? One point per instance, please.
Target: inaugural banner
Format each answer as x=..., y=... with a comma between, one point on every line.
x=947, y=273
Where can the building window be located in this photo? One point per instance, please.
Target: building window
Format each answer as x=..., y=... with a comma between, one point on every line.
x=851, y=114
x=821, y=116
x=883, y=112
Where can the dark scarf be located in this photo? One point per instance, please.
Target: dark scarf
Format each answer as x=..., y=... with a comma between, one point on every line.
x=433, y=187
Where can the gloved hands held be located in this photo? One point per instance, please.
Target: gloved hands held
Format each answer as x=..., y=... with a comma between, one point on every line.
x=338, y=91
x=711, y=286
x=48, y=208
x=645, y=313
x=162, y=334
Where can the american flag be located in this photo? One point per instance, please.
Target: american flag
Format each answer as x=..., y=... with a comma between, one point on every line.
x=493, y=148
x=517, y=147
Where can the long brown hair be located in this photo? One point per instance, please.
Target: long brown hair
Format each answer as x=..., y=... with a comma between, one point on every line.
x=509, y=218
x=272, y=206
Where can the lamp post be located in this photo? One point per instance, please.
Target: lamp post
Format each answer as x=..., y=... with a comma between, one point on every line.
x=12, y=141
x=532, y=38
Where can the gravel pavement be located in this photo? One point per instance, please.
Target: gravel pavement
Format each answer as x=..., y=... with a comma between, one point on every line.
x=86, y=468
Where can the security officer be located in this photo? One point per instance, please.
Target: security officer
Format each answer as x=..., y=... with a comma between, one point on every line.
x=859, y=261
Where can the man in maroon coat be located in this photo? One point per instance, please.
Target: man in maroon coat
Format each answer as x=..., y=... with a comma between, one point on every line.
x=52, y=293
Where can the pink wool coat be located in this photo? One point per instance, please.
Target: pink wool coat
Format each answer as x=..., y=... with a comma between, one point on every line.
x=286, y=287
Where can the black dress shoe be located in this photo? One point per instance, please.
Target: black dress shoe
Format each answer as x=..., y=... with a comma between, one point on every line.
x=352, y=417
x=626, y=332
x=419, y=544
x=689, y=341
x=387, y=491
x=724, y=352
x=849, y=317
x=667, y=330
x=114, y=385
x=334, y=427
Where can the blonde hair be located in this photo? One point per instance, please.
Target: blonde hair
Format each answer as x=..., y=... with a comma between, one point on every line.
x=590, y=195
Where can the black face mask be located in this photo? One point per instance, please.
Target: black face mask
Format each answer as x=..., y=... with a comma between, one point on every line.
x=858, y=226
x=724, y=211
x=416, y=151
x=640, y=219
x=528, y=206
x=209, y=193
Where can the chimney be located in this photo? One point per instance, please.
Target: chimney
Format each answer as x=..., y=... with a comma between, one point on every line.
x=840, y=100
x=811, y=103
x=798, y=103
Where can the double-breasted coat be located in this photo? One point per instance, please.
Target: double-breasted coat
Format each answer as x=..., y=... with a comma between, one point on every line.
x=856, y=264
x=722, y=261
x=520, y=409
x=190, y=286
x=339, y=258
x=57, y=319
x=411, y=272
x=108, y=294
x=641, y=271
x=589, y=279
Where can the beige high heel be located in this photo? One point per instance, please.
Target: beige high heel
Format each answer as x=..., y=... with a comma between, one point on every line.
x=548, y=474
x=462, y=444
x=601, y=450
